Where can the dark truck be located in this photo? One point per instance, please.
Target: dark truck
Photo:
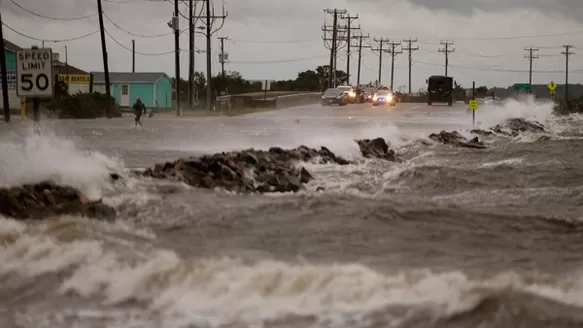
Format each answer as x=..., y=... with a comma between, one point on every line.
x=439, y=89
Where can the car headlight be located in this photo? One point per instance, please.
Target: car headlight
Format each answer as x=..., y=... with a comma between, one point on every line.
x=375, y=98
x=389, y=97
x=351, y=94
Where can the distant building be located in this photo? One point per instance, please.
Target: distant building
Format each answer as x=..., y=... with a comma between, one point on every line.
x=77, y=80
x=155, y=89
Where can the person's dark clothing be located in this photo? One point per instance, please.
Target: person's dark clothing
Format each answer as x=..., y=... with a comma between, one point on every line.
x=139, y=108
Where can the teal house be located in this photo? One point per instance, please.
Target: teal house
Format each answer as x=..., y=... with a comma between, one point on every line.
x=154, y=89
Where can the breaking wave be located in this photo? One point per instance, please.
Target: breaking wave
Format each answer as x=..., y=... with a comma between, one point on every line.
x=116, y=265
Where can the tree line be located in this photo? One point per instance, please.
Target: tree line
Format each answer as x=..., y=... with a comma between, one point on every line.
x=233, y=83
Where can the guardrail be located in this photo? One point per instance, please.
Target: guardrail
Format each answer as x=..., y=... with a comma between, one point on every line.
x=298, y=100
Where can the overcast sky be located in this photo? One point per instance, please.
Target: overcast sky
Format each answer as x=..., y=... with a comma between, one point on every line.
x=275, y=39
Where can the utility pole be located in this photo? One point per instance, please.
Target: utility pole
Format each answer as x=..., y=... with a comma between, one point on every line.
x=530, y=56
x=223, y=56
x=209, y=19
x=360, y=46
x=393, y=52
x=177, y=56
x=349, y=19
x=133, y=56
x=410, y=49
x=4, y=75
x=190, y=53
x=334, y=45
x=567, y=53
x=446, y=51
x=380, y=49
x=104, y=54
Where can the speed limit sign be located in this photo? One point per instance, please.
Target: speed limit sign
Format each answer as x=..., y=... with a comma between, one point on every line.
x=34, y=73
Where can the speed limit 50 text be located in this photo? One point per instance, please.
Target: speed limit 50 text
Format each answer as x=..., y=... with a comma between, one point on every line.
x=34, y=73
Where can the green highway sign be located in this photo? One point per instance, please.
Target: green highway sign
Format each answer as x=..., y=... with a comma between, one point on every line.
x=521, y=87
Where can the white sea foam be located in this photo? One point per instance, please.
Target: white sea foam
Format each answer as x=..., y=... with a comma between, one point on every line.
x=214, y=291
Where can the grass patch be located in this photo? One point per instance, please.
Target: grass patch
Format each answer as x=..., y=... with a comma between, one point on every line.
x=206, y=113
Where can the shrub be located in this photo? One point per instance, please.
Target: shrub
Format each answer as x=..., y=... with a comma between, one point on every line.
x=87, y=105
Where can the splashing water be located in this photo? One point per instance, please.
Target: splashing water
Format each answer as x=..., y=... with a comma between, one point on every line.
x=34, y=158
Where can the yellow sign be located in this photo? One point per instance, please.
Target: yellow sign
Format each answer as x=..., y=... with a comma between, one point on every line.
x=75, y=79
x=474, y=104
x=552, y=86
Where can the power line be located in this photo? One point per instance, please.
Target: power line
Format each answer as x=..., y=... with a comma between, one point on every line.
x=48, y=40
x=272, y=42
x=135, y=34
x=492, y=69
x=49, y=17
x=130, y=49
x=279, y=61
x=134, y=1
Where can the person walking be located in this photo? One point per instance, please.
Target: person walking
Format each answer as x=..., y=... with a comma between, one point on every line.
x=139, y=110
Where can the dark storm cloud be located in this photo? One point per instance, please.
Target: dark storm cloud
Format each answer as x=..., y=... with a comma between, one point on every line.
x=568, y=8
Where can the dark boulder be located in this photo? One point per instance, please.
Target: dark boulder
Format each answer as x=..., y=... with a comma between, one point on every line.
x=521, y=125
x=455, y=139
x=483, y=133
x=46, y=199
x=513, y=127
x=376, y=148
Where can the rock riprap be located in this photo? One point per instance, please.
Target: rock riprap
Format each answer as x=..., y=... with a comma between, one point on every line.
x=251, y=170
x=47, y=199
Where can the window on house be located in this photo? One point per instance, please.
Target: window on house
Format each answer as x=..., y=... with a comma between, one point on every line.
x=124, y=89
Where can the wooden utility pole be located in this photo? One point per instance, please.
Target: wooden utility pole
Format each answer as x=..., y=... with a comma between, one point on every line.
x=133, y=56
x=191, y=39
x=4, y=75
x=381, y=50
x=348, y=28
x=104, y=54
x=567, y=53
x=223, y=55
x=360, y=46
x=334, y=46
x=393, y=52
x=446, y=51
x=410, y=49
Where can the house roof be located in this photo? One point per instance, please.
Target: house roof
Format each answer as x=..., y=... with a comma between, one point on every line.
x=11, y=46
x=68, y=69
x=121, y=77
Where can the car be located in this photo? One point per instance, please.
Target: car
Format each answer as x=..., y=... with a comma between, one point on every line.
x=349, y=92
x=384, y=97
x=439, y=89
x=334, y=97
x=368, y=94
